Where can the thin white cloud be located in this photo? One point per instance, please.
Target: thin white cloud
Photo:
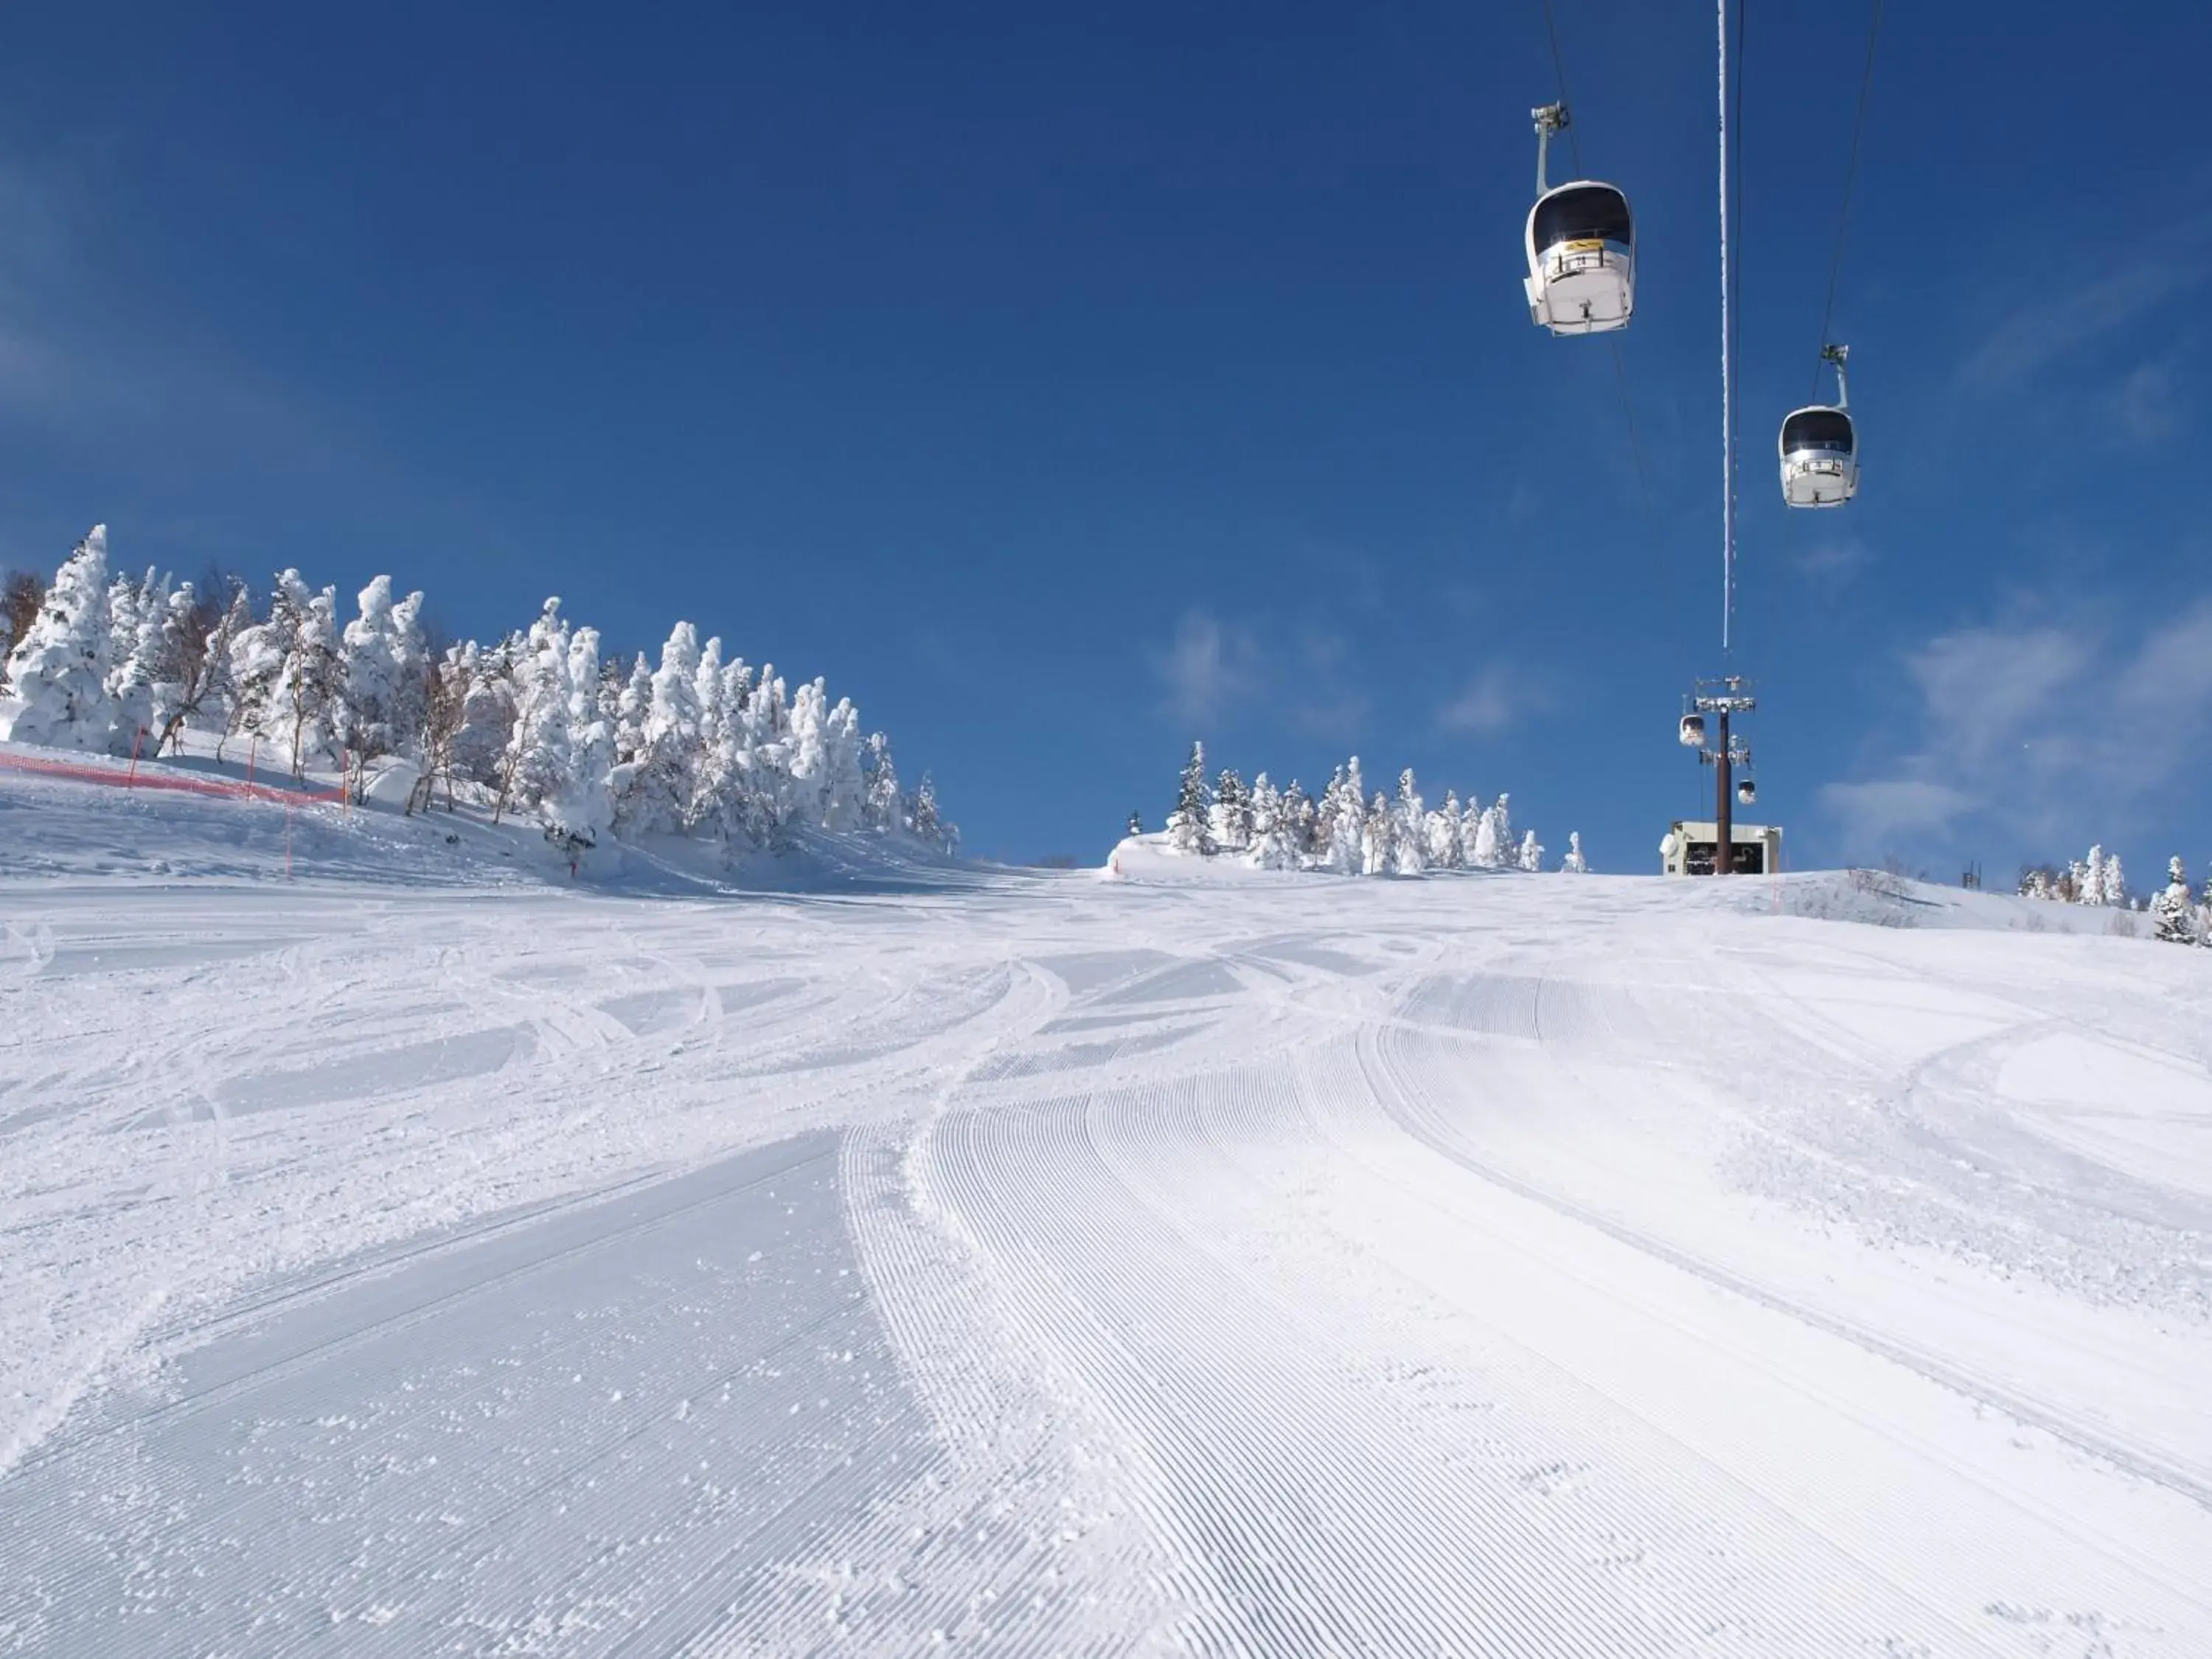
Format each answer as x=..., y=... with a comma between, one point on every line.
x=1877, y=815
x=2047, y=732
x=1207, y=668
x=2035, y=335
x=1835, y=561
x=2145, y=406
x=1487, y=705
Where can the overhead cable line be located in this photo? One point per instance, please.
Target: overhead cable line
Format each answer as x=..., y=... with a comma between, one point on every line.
x=1620, y=361
x=1736, y=280
x=1728, y=353
x=1559, y=73
x=1850, y=178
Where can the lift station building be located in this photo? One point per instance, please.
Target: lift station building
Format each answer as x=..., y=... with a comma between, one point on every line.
x=1688, y=849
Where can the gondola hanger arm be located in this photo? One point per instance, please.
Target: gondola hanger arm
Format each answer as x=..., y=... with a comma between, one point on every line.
x=1549, y=118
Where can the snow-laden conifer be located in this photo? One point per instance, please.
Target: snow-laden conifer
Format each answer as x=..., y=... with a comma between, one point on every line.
x=58, y=672
x=1190, y=828
x=1232, y=811
x=258, y=655
x=385, y=663
x=1300, y=817
x=1342, y=834
x=1532, y=851
x=538, y=761
x=1441, y=833
x=203, y=633
x=1574, y=864
x=2089, y=879
x=1487, y=852
x=575, y=808
x=844, y=788
x=927, y=822
x=631, y=708
x=2173, y=914
x=880, y=796
x=2115, y=890
x=138, y=611
x=1378, y=837
x=653, y=792
x=1409, y=829
x=1273, y=845
x=315, y=676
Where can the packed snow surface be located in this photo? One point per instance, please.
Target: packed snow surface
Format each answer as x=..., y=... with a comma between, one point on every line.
x=421, y=1257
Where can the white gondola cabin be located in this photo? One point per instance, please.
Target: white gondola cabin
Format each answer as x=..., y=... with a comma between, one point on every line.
x=1692, y=731
x=1820, y=446
x=1747, y=792
x=1581, y=244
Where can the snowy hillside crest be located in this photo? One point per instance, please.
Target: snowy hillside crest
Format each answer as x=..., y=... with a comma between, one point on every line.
x=538, y=726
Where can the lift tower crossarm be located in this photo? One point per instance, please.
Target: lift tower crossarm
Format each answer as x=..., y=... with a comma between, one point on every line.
x=1549, y=118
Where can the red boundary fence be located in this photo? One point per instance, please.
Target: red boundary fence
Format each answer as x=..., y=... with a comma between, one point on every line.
x=189, y=783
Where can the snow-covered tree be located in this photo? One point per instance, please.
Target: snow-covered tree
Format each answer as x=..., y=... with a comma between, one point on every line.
x=58, y=670
x=1301, y=819
x=1378, y=838
x=2174, y=913
x=1532, y=851
x=539, y=761
x=315, y=677
x=384, y=666
x=653, y=794
x=1340, y=830
x=486, y=711
x=1190, y=827
x=1409, y=836
x=880, y=785
x=1440, y=831
x=21, y=598
x=445, y=701
x=928, y=823
x=1487, y=850
x=845, y=786
x=2115, y=890
x=1574, y=864
x=631, y=709
x=1232, y=812
x=577, y=811
x=2089, y=879
x=1272, y=845
x=136, y=612
x=258, y=655
x=205, y=636
x=289, y=674
x=174, y=645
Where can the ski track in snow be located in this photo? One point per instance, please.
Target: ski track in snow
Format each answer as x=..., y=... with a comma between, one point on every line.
x=1515, y=1266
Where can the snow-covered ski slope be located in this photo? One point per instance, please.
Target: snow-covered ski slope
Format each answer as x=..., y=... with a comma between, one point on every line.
x=1048, y=1264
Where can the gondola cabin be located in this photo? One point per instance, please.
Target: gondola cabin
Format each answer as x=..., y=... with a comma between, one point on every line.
x=1692, y=732
x=1819, y=448
x=1820, y=444
x=1581, y=259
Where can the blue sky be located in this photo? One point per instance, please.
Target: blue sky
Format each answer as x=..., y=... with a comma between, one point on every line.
x=1064, y=386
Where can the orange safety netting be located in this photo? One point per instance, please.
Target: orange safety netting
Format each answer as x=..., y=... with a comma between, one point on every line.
x=134, y=777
